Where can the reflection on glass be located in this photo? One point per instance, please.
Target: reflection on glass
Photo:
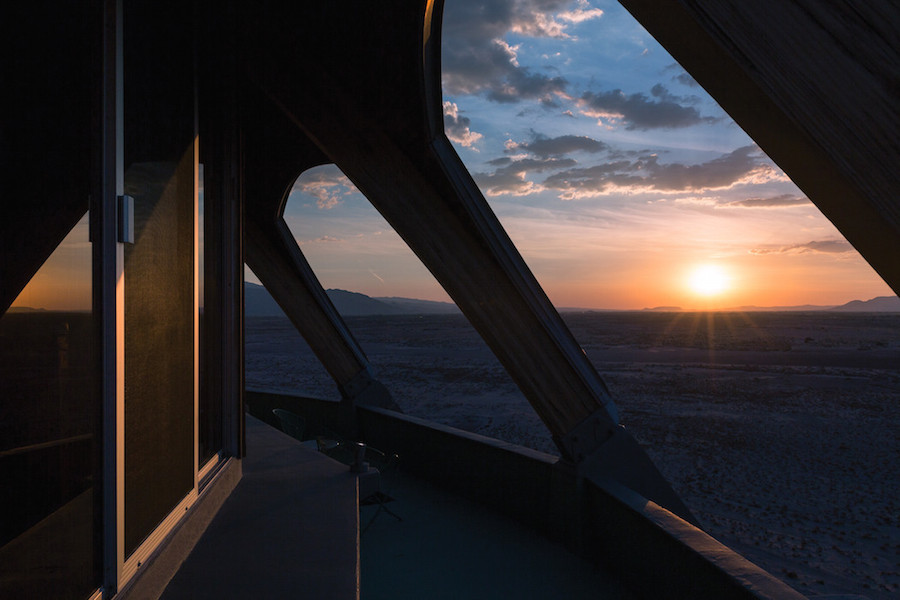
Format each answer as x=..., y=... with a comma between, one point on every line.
x=210, y=409
x=49, y=430
x=159, y=274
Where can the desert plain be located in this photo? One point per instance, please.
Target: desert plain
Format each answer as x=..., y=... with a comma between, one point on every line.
x=780, y=430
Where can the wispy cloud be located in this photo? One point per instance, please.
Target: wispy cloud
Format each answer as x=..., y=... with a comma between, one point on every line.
x=646, y=174
x=326, y=239
x=545, y=147
x=510, y=176
x=627, y=172
x=817, y=246
x=780, y=201
x=583, y=13
x=327, y=185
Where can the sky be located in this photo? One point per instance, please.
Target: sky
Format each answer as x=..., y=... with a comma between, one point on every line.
x=64, y=280
x=621, y=182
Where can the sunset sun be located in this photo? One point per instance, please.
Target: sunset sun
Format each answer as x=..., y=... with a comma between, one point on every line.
x=708, y=280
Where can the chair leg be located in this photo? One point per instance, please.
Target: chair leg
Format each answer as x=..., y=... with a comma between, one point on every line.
x=392, y=513
x=381, y=507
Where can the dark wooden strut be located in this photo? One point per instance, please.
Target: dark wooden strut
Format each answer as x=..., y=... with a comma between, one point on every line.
x=363, y=86
x=274, y=157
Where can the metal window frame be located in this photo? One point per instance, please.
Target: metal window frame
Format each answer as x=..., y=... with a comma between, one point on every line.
x=118, y=570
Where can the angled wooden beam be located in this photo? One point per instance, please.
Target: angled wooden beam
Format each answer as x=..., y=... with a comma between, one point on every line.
x=365, y=91
x=274, y=157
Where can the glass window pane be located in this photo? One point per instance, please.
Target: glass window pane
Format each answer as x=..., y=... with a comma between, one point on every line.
x=159, y=272
x=210, y=413
x=49, y=433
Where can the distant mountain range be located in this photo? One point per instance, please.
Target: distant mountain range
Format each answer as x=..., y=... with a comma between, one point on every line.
x=353, y=304
x=797, y=308
x=258, y=303
x=879, y=304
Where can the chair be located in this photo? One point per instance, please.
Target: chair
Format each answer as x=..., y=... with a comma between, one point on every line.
x=359, y=457
x=387, y=468
x=292, y=424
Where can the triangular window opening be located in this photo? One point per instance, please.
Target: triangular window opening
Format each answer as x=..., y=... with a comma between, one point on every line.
x=420, y=347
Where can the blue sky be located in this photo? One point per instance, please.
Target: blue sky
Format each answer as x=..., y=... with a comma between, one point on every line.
x=614, y=173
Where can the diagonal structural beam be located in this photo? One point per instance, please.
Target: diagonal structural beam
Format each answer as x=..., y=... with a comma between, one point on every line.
x=372, y=111
x=275, y=258
x=273, y=159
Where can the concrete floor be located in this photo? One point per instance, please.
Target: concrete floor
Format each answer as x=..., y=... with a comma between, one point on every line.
x=447, y=547
x=288, y=530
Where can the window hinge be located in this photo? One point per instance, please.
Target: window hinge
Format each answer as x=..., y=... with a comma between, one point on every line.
x=125, y=219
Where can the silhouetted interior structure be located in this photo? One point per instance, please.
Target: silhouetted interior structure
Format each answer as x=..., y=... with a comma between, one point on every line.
x=121, y=392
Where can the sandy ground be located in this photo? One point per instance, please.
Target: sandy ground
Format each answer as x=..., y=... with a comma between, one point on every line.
x=781, y=431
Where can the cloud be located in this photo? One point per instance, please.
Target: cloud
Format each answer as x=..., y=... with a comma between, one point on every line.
x=744, y=165
x=510, y=177
x=645, y=174
x=780, y=201
x=712, y=201
x=630, y=172
x=476, y=59
x=645, y=154
x=546, y=147
x=638, y=111
x=505, y=182
x=327, y=185
x=685, y=79
x=663, y=94
x=457, y=127
x=540, y=25
x=681, y=76
x=581, y=14
x=544, y=24
x=321, y=239
x=817, y=246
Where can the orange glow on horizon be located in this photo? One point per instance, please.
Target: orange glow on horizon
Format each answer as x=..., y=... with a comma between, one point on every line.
x=63, y=283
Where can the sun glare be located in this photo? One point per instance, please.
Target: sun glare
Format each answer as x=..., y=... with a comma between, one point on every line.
x=708, y=280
